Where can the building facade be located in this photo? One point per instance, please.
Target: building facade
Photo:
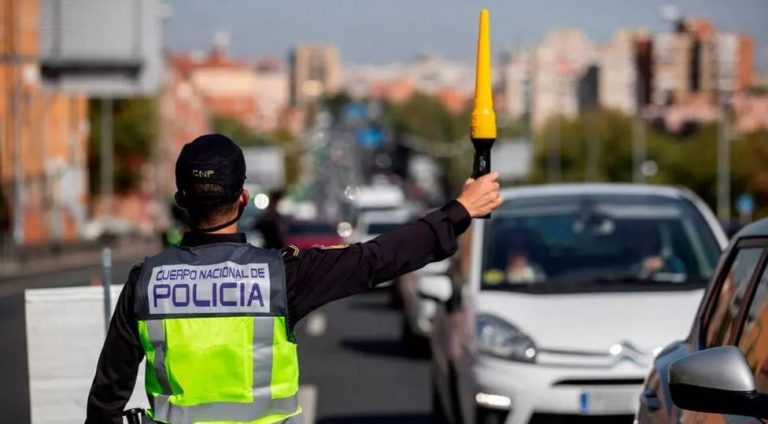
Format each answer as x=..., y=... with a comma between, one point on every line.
x=314, y=72
x=43, y=140
x=560, y=60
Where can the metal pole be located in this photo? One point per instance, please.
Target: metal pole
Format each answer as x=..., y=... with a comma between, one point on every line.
x=555, y=173
x=724, y=161
x=16, y=113
x=107, y=155
x=554, y=163
x=638, y=132
x=638, y=149
x=106, y=265
x=592, y=146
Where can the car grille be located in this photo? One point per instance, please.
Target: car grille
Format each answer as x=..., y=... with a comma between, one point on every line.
x=491, y=416
x=600, y=382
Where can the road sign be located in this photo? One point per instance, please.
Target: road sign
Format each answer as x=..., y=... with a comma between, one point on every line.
x=101, y=47
x=745, y=204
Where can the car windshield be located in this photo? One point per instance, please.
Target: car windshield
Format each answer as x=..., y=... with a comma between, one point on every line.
x=310, y=228
x=597, y=242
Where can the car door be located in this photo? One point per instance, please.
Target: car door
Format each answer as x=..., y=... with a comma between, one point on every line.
x=726, y=311
x=451, y=341
x=736, y=266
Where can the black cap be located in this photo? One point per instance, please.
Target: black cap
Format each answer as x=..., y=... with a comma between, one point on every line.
x=210, y=170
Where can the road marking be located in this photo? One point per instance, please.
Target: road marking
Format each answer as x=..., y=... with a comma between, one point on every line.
x=316, y=324
x=308, y=402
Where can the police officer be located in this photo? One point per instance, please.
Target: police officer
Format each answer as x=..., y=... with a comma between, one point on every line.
x=215, y=316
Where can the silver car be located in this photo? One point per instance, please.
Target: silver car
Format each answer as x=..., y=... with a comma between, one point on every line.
x=719, y=373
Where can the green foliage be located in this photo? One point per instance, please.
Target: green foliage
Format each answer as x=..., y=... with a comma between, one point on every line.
x=246, y=137
x=426, y=117
x=750, y=165
x=135, y=130
x=238, y=132
x=690, y=161
x=336, y=103
x=292, y=158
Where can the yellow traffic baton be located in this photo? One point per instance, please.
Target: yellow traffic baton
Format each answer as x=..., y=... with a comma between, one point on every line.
x=483, y=125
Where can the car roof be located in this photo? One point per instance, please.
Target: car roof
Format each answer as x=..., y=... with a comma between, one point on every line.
x=620, y=188
x=755, y=229
x=590, y=188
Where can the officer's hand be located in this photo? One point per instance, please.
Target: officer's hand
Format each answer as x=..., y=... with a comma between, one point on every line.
x=479, y=197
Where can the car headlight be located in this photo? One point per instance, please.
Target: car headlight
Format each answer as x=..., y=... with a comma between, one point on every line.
x=499, y=338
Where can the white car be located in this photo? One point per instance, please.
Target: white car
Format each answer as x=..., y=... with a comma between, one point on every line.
x=559, y=302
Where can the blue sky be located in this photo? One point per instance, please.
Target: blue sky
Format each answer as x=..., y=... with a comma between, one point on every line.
x=381, y=31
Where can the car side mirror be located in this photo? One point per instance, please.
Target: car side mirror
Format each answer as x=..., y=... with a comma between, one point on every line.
x=435, y=287
x=716, y=380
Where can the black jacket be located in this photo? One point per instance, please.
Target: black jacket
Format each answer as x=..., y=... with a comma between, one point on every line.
x=314, y=277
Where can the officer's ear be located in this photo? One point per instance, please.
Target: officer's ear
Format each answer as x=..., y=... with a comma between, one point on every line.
x=179, y=196
x=244, y=197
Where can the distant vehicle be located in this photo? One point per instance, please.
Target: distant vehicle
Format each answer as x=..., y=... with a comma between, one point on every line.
x=251, y=214
x=106, y=227
x=309, y=234
x=558, y=303
x=722, y=366
x=419, y=310
x=378, y=197
x=375, y=223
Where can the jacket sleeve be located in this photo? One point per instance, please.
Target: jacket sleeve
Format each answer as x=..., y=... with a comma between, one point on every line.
x=318, y=276
x=119, y=361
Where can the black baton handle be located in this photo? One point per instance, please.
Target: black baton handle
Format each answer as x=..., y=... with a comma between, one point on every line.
x=133, y=415
x=482, y=163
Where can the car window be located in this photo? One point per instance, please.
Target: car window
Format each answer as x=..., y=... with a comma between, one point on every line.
x=730, y=297
x=597, y=242
x=754, y=336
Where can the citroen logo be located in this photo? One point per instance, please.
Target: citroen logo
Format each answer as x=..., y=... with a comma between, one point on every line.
x=627, y=351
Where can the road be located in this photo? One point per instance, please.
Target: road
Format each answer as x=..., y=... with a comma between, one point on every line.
x=359, y=367
x=349, y=351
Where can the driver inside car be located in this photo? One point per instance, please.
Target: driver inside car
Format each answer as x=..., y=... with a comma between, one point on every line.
x=655, y=256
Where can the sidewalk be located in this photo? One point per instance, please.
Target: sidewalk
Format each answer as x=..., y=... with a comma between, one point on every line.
x=134, y=249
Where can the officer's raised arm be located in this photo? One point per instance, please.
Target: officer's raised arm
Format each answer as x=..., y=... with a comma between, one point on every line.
x=320, y=276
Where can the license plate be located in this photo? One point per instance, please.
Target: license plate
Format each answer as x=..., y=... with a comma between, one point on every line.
x=607, y=402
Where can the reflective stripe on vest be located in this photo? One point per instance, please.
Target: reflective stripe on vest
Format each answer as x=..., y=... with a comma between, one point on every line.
x=215, y=359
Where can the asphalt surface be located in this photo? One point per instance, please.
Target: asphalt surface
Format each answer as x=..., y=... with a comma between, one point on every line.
x=359, y=366
x=349, y=351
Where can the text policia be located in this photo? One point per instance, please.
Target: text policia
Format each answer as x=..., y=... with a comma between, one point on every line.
x=217, y=288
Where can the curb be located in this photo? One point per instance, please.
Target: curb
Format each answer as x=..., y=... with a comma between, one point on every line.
x=69, y=261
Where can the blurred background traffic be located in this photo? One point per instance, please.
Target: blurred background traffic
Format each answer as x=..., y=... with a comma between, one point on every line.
x=354, y=119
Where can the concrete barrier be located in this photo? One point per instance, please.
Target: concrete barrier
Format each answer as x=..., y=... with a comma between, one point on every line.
x=65, y=332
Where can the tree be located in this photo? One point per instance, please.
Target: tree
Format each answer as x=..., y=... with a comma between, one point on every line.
x=238, y=132
x=246, y=137
x=424, y=116
x=135, y=130
x=688, y=160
